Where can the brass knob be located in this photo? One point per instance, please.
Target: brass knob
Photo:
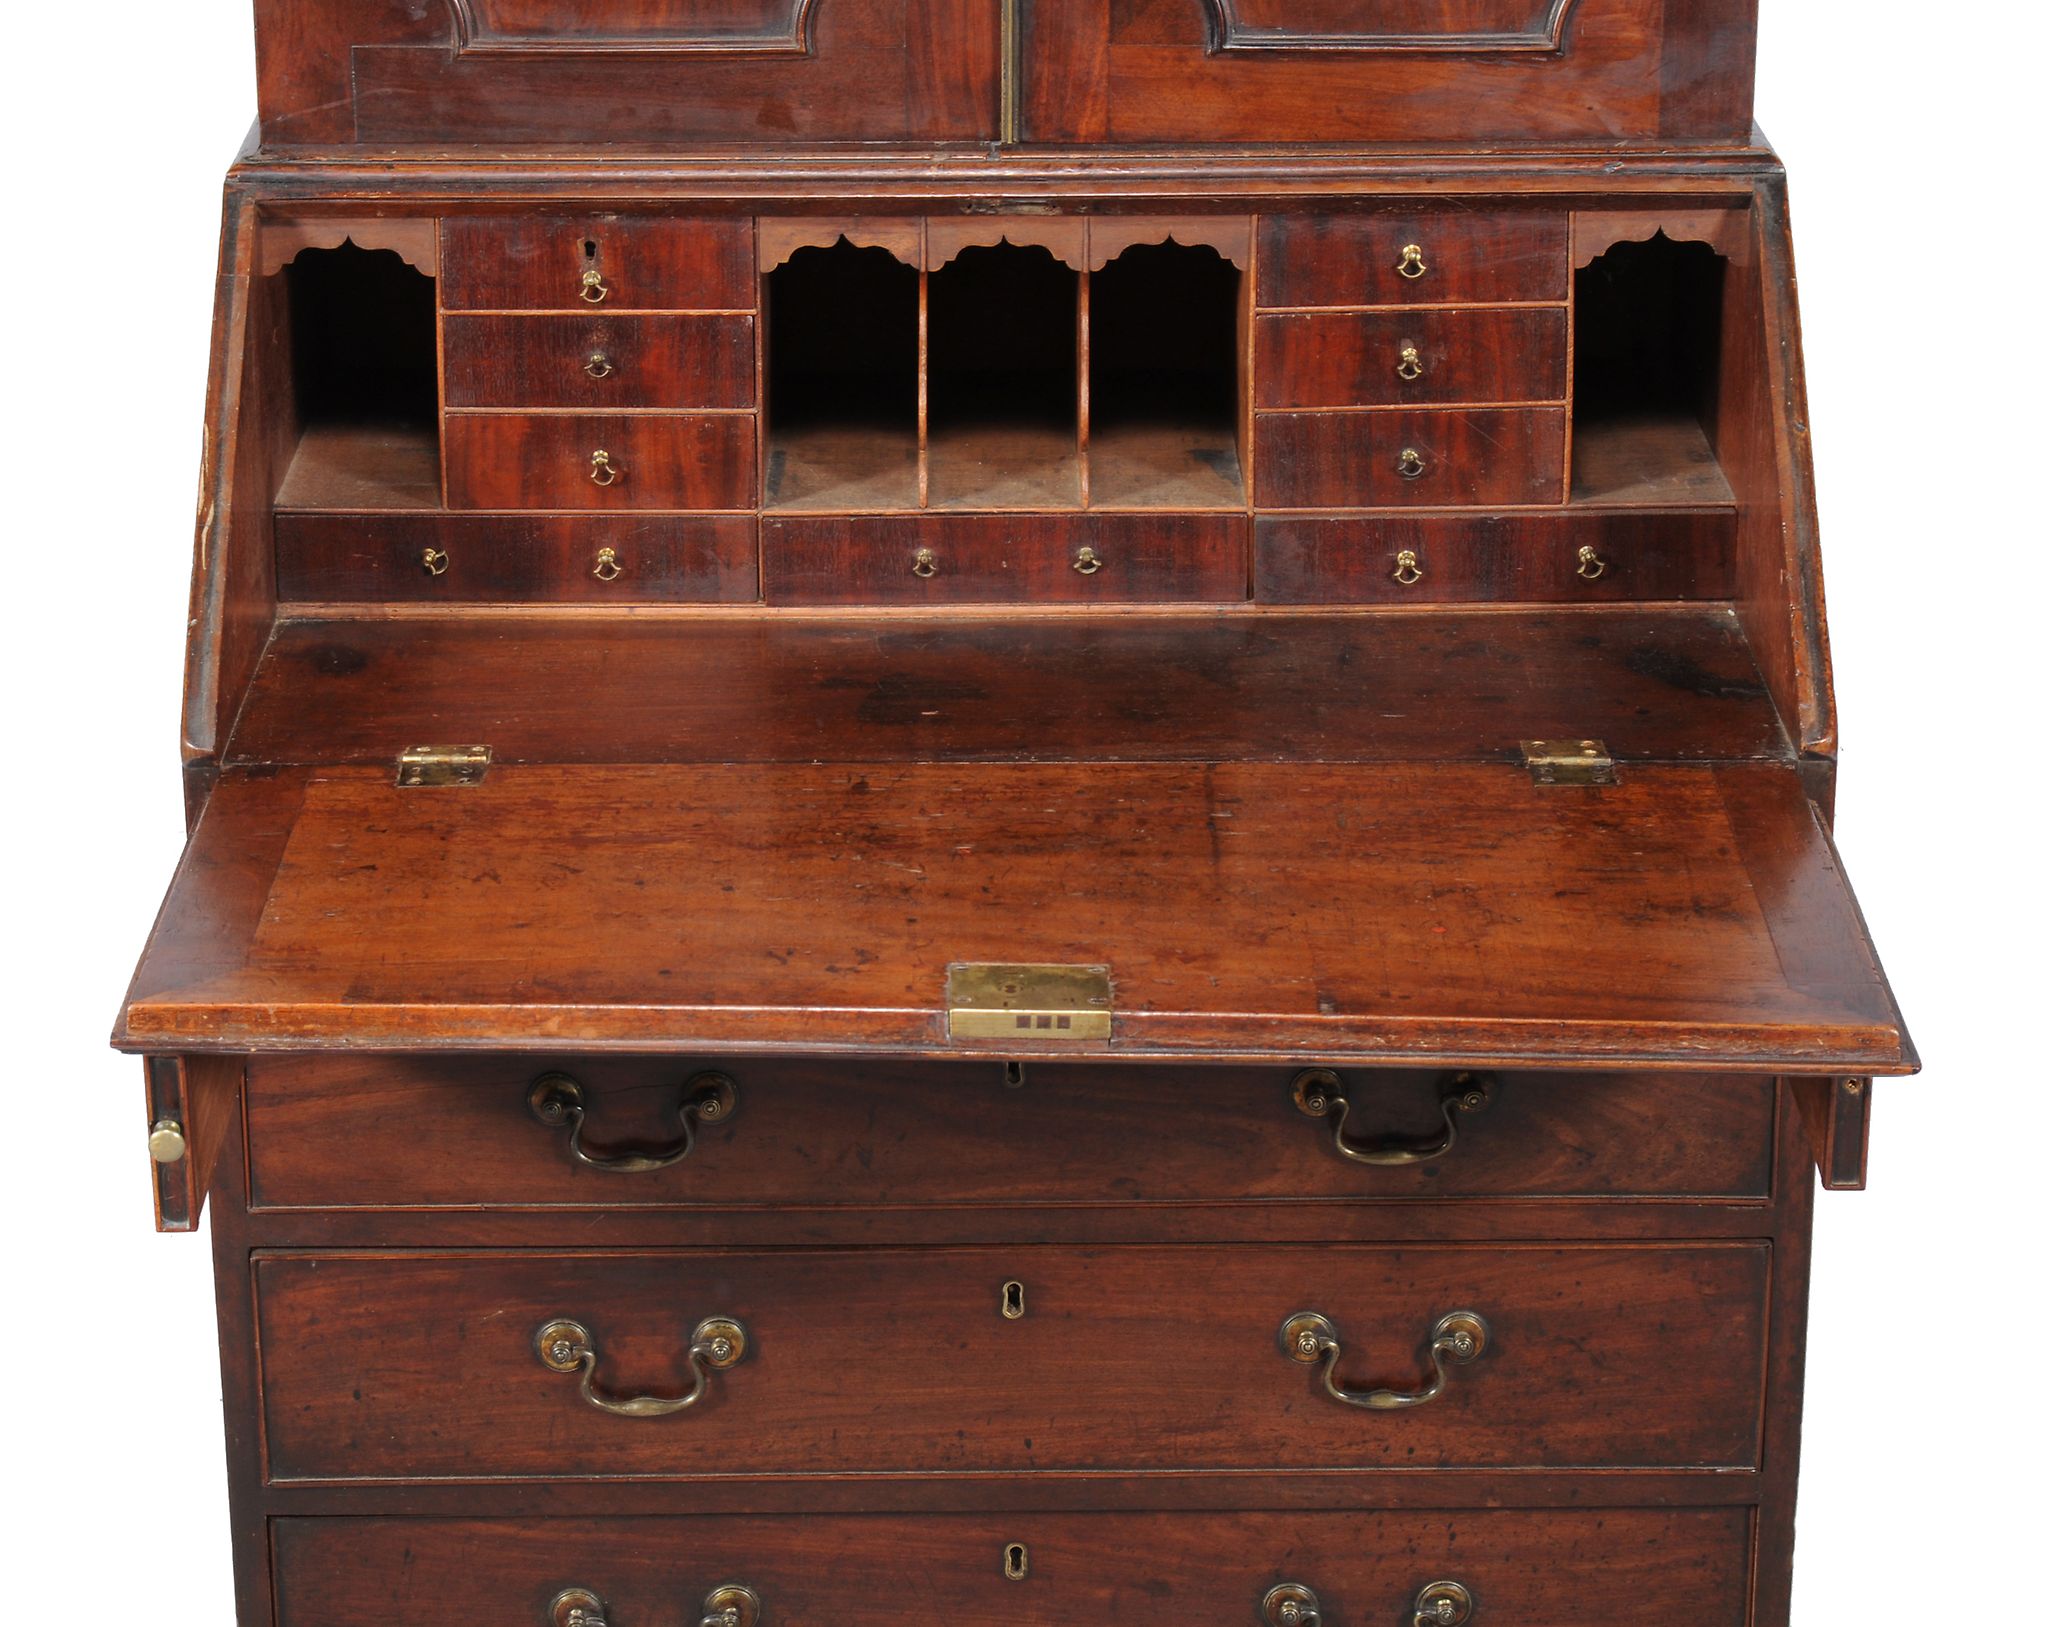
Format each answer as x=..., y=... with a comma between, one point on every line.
x=732, y=1605
x=1410, y=366
x=594, y=290
x=1443, y=1604
x=1291, y=1605
x=1087, y=562
x=1412, y=464
x=607, y=568
x=599, y=366
x=167, y=1141
x=604, y=472
x=1591, y=566
x=924, y=564
x=1407, y=568
x=576, y=1607
x=1411, y=265
x=434, y=562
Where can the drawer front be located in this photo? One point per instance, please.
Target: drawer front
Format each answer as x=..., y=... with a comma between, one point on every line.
x=1536, y=1568
x=367, y=1132
x=886, y=1361
x=1510, y=257
x=598, y=362
x=1392, y=358
x=514, y=559
x=1005, y=559
x=1505, y=558
x=592, y=263
x=652, y=461
x=1492, y=457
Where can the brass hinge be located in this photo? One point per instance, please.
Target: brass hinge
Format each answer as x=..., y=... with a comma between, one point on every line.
x=1028, y=1002
x=1568, y=762
x=423, y=766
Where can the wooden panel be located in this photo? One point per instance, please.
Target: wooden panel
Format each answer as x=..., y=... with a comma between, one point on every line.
x=1530, y=558
x=1535, y=1569
x=658, y=461
x=598, y=362
x=761, y=25
x=841, y=1135
x=1009, y=559
x=1463, y=353
x=1471, y=456
x=1307, y=25
x=514, y=558
x=1692, y=917
x=1467, y=258
x=1631, y=1357
x=538, y=263
x=200, y=1095
x=1666, y=685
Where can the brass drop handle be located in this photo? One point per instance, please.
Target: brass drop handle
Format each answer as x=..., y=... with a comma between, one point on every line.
x=576, y=1607
x=604, y=472
x=1412, y=464
x=1411, y=265
x=1291, y=1605
x=607, y=568
x=1407, y=567
x=1444, y=1604
x=599, y=366
x=1319, y=1093
x=1458, y=1338
x=1591, y=566
x=565, y=1346
x=434, y=561
x=556, y=1099
x=732, y=1605
x=1087, y=562
x=1410, y=365
x=594, y=291
x=924, y=564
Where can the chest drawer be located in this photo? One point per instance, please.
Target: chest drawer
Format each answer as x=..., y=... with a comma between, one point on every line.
x=1480, y=258
x=1531, y=1568
x=1473, y=353
x=589, y=263
x=598, y=362
x=517, y=1364
x=373, y=1132
x=574, y=461
x=1497, y=457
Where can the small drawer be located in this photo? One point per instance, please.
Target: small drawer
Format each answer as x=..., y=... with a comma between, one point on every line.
x=1005, y=559
x=321, y=1135
x=1541, y=1567
x=1559, y=557
x=1501, y=457
x=574, y=461
x=516, y=1364
x=1509, y=257
x=514, y=559
x=587, y=263
x=1391, y=358
x=598, y=362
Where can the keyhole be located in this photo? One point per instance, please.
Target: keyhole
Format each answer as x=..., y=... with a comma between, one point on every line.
x=590, y=249
x=1016, y=1561
x=1013, y=1076
x=1013, y=1302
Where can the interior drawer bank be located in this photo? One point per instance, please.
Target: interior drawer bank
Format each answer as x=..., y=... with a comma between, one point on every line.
x=704, y=1364
x=1533, y=1569
x=349, y=1131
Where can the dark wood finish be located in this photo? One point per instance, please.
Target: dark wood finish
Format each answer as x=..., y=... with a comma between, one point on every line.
x=515, y=558
x=201, y=1095
x=1491, y=456
x=1150, y=1570
x=1517, y=558
x=648, y=263
x=1474, y=257
x=1011, y=559
x=1836, y=1116
x=549, y=361
x=821, y=1135
x=1465, y=353
x=548, y=461
x=364, y=467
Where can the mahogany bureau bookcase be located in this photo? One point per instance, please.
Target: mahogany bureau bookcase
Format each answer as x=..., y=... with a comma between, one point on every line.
x=1008, y=811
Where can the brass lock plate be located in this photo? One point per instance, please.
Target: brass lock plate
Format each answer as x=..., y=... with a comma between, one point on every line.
x=988, y=1001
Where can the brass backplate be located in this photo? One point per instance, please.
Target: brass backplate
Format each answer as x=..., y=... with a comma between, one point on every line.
x=421, y=767
x=1568, y=762
x=1028, y=1002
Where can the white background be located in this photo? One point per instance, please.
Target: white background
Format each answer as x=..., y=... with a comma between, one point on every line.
x=1913, y=138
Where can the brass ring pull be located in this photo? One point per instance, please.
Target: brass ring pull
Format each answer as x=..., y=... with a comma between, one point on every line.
x=1087, y=562
x=599, y=366
x=576, y=1607
x=732, y=1605
x=1591, y=566
x=924, y=564
x=1291, y=1605
x=1411, y=265
x=1412, y=464
x=607, y=568
x=1319, y=1093
x=1410, y=366
x=604, y=472
x=1407, y=568
x=594, y=290
x=567, y=1347
x=1458, y=1338
x=556, y=1100
x=434, y=562
x=1444, y=1604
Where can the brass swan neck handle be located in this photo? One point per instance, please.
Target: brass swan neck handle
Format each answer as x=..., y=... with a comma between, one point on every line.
x=1319, y=1093
x=1459, y=1338
x=564, y=1346
x=557, y=1100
